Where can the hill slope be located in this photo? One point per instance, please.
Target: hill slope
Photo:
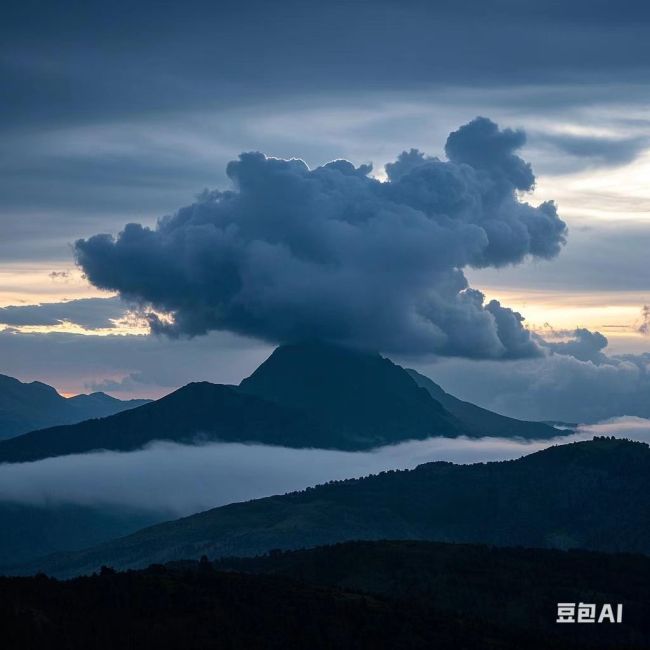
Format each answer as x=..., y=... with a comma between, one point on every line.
x=306, y=395
x=478, y=421
x=212, y=411
x=593, y=495
x=28, y=406
x=516, y=589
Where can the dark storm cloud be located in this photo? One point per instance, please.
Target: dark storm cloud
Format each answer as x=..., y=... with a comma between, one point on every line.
x=75, y=69
x=483, y=146
x=90, y=313
x=332, y=253
x=67, y=60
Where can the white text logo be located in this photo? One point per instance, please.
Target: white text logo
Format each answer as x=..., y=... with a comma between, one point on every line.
x=589, y=613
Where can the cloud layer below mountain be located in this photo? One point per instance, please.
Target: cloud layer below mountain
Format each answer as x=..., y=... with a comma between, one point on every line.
x=181, y=479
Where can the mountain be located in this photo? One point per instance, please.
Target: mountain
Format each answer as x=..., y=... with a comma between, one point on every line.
x=208, y=411
x=307, y=395
x=593, y=495
x=28, y=406
x=304, y=395
x=360, y=395
x=478, y=421
x=375, y=595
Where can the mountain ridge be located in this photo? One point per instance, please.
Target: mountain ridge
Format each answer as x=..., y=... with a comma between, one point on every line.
x=478, y=420
x=303, y=395
x=27, y=406
x=181, y=416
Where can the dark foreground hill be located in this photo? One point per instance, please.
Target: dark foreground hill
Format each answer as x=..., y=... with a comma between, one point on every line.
x=514, y=589
x=593, y=495
x=28, y=406
x=377, y=595
x=309, y=395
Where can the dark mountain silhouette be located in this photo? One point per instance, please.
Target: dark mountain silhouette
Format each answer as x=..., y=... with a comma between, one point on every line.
x=308, y=395
x=360, y=395
x=478, y=421
x=28, y=406
x=198, y=410
x=593, y=495
x=375, y=595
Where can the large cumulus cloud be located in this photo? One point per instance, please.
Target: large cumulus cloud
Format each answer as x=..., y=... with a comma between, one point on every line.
x=332, y=253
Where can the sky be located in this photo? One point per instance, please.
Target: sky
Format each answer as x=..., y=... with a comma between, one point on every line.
x=125, y=114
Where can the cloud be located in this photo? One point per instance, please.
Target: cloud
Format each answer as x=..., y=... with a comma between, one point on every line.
x=182, y=479
x=130, y=383
x=594, y=150
x=211, y=55
x=644, y=328
x=332, y=253
x=59, y=275
x=89, y=313
x=584, y=345
x=574, y=382
x=552, y=387
x=623, y=243
x=481, y=145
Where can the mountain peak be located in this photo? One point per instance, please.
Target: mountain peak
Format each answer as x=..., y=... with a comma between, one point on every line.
x=27, y=406
x=357, y=392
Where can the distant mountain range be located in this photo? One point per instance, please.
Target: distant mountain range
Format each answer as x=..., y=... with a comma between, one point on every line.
x=31, y=530
x=360, y=595
x=307, y=395
x=592, y=495
x=28, y=406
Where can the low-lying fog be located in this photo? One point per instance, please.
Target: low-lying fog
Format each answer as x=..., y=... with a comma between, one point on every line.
x=183, y=479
